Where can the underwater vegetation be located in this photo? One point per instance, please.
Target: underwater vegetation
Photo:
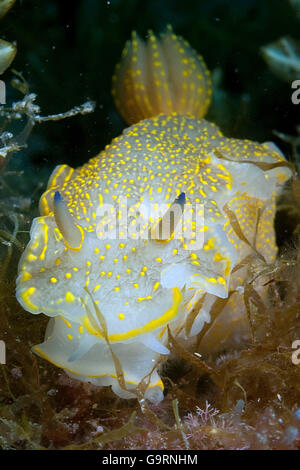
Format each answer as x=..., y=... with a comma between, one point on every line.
x=243, y=394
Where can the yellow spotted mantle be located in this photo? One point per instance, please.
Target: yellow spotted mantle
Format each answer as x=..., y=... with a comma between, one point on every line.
x=119, y=295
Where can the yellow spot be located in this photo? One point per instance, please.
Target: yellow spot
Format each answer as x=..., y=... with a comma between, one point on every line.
x=69, y=297
x=53, y=280
x=219, y=257
x=140, y=299
x=26, y=276
x=209, y=245
x=121, y=316
x=25, y=296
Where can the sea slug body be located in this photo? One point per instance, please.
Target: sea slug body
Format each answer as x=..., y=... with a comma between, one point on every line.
x=112, y=294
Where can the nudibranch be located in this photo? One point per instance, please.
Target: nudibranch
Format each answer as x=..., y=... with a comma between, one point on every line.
x=113, y=289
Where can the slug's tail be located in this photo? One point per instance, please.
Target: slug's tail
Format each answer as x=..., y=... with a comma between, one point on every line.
x=162, y=75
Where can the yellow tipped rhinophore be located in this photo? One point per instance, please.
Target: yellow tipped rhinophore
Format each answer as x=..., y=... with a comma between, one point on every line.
x=163, y=75
x=72, y=233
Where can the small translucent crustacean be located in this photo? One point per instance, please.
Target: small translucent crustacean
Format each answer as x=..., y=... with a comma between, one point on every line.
x=112, y=298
